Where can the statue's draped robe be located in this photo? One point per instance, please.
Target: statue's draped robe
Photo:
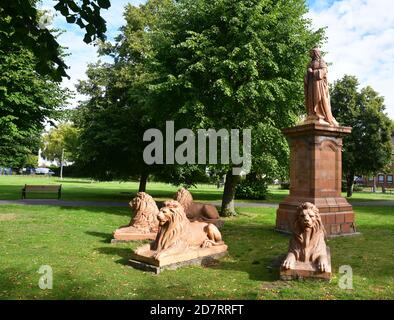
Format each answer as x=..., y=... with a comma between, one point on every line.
x=317, y=96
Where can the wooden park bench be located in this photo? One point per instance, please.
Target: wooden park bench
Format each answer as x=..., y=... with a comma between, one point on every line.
x=42, y=189
x=389, y=190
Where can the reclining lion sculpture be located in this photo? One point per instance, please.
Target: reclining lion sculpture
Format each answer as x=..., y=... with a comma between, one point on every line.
x=307, y=249
x=144, y=223
x=197, y=211
x=179, y=236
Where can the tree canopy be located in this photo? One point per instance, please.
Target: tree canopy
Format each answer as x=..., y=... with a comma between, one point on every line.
x=233, y=65
x=20, y=24
x=203, y=64
x=27, y=101
x=60, y=142
x=368, y=150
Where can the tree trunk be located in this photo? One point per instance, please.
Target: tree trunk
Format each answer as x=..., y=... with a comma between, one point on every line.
x=350, y=183
x=230, y=185
x=61, y=165
x=143, y=181
x=374, y=185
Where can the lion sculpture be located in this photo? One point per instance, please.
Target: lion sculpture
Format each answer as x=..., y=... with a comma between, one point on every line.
x=197, y=211
x=177, y=234
x=144, y=223
x=308, y=241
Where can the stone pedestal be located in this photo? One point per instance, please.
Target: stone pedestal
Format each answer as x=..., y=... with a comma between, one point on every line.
x=192, y=256
x=306, y=270
x=316, y=177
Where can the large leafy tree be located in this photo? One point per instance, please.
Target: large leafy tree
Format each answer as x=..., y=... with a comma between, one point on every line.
x=114, y=118
x=21, y=23
x=120, y=107
x=232, y=65
x=30, y=62
x=368, y=150
x=27, y=101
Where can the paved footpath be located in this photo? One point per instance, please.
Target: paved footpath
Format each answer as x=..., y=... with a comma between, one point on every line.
x=66, y=203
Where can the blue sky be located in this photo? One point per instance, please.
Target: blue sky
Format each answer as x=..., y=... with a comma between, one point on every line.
x=360, y=41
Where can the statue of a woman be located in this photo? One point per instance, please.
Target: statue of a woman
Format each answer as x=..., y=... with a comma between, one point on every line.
x=317, y=96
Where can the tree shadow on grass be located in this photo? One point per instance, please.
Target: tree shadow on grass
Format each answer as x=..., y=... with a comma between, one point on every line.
x=105, y=237
x=123, y=253
x=81, y=192
x=253, y=249
x=117, y=211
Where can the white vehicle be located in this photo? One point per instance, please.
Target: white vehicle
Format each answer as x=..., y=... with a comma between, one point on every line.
x=43, y=171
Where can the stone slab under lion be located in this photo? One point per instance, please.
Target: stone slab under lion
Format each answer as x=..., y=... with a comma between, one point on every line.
x=307, y=270
x=194, y=256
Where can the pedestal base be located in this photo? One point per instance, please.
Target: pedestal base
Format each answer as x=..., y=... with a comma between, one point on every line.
x=193, y=256
x=336, y=213
x=202, y=261
x=316, y=177
x=306, y=270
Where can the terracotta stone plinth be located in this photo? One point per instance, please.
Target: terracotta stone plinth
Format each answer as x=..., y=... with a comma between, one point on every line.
x=192, y=256
x=306, y=270
x=316, y=177
x=130, y=234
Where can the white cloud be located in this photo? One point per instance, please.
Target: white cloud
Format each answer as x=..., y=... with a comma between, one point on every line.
x=360, y=42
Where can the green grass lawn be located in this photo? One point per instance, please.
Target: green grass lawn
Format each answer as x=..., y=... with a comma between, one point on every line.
x=80, y=189
x=75, y=243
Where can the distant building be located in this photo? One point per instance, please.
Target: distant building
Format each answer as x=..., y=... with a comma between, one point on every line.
x=383, y=179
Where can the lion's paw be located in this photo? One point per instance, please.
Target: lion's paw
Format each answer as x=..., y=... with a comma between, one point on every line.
x=289, y=263
x=323, y=266
x=207, y=244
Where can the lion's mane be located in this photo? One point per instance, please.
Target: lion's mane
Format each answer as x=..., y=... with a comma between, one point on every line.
x=173, y=232
x=145, y=213
x=308, y=245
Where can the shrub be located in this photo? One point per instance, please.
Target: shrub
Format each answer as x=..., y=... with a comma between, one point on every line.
x=356, y=187
x=252, y=189
x=285, y=185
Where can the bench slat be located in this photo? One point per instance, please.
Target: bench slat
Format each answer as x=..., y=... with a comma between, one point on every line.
x=41, y=189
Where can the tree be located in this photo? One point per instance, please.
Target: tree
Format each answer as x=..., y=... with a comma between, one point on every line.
x=61, y=142
x=367, y=150
x=232, y=65
x=24, y=25
x=115, y=117
x=27, y=101
x=30, y=61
